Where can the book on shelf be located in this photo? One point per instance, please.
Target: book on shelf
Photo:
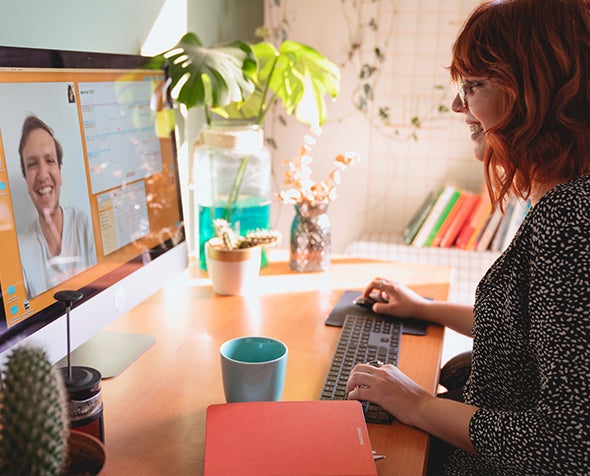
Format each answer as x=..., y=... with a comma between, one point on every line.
x=442, y=217
x=519, y=210
x=467, y=206
x=489, y=230
x=437, y=240
x=474, y=224
x=498, y=241
x=432, y=220
x=409, y=232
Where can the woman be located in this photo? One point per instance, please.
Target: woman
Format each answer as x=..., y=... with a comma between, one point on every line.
x=523, y=70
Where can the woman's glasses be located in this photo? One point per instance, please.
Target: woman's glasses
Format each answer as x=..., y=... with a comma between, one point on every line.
x=463, y=87
x=461, y=91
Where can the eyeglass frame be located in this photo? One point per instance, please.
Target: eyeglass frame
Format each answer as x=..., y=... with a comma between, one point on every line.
x=461, y=91
x=461, y=88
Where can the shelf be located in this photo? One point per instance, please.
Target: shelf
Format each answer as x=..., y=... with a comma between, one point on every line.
x=468, y=266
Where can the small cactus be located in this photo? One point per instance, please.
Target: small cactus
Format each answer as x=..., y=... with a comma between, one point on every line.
x=230, y=241
x=33, y=415
x=258, y=237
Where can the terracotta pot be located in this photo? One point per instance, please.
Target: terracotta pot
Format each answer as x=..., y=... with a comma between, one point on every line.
x=86, y=455
x=233, y=271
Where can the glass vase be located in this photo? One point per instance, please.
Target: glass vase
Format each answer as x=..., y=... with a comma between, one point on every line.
x=310, y=237
x=231, y=175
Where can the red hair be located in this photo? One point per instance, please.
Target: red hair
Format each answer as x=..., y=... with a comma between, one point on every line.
x=537, y=52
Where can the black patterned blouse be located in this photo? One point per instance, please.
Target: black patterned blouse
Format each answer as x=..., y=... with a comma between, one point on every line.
x=531, y=334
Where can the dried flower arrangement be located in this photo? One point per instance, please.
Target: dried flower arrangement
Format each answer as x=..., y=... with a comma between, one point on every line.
x=226, y=237
x=301, y=187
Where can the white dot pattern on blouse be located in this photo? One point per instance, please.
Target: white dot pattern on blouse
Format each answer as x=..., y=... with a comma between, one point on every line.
x=531, y=361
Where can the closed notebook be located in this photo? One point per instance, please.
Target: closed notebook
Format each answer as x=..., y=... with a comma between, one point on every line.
x=320, y=437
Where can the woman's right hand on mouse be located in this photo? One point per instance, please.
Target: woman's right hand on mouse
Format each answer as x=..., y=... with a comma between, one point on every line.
x=399, y=300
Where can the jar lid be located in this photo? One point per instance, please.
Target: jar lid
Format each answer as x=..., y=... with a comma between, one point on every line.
x=85, y=380
x=236, y=137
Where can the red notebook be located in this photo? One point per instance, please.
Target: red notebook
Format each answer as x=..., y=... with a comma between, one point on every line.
x=327, y=437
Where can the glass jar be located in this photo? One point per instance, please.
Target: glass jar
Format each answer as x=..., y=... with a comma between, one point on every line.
x=231, y=173
x=85, y=407
x=311, y=237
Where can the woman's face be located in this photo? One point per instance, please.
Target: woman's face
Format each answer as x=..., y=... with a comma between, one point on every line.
x=482, y=108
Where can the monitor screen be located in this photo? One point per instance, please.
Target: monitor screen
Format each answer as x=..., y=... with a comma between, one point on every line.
x=89, y=191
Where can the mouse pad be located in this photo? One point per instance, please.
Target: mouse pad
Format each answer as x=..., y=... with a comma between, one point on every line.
x=344, y=307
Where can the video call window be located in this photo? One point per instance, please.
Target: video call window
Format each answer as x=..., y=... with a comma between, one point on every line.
x=80, y=160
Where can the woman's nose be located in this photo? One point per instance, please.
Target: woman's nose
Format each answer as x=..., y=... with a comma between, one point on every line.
x=457, y=104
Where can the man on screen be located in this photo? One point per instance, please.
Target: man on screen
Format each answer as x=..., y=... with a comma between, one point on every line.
x=59, y=242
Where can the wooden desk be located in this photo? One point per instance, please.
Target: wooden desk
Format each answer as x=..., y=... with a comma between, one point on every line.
x=155, y=410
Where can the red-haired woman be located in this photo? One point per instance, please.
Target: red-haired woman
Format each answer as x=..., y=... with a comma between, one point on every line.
x=523, y=73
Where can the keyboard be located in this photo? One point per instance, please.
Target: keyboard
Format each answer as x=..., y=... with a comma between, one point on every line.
x=364, y=338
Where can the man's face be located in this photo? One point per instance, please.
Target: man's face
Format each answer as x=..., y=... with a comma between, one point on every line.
x=42, y=171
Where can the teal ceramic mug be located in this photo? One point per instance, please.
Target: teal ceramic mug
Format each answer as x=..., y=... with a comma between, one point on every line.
x=253, y=369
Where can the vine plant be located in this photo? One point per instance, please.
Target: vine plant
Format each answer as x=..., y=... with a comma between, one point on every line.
x=370, y=33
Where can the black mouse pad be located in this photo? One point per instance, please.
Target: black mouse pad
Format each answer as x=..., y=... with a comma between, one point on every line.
x=344, y=307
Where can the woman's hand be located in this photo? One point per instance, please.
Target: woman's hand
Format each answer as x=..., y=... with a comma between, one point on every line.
x=388, y=387
x=410, y=404
x=398, y=300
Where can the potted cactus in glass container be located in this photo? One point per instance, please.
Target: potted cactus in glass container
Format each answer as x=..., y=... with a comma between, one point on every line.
x=233, y=261
x=34, y=424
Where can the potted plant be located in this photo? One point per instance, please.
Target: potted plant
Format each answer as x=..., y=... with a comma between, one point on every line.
x=233, y=261
x=35, y=436
x=238, y=83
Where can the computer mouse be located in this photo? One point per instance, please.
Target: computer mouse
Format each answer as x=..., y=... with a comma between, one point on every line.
x=368, y=301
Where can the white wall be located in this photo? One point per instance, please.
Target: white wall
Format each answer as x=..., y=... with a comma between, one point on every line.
x=397, y=172
x=106, y=25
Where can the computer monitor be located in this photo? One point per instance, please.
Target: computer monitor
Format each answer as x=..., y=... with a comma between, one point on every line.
x=89, y=196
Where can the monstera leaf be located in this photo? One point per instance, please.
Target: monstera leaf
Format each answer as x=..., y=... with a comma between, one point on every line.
x=209, y=77
x=291, y=73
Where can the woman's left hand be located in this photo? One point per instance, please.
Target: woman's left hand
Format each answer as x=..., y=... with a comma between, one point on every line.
x=388, y=387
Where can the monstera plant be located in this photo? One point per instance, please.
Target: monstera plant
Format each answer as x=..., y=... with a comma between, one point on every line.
x=242, y=81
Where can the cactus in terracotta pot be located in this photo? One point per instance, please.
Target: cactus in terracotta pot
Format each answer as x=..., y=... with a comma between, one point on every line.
x=33, y=415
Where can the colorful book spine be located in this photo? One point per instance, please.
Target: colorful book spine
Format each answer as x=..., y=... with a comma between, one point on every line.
x=489, y=230
x=498, y=242
x=432, y=218
x=443, y=217
x=449, y=220
x=468, y=206
x=411, y=229
x=477, y=219
x=521, y=209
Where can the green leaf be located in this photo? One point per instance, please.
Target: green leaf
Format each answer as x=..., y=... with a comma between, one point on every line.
x=298, y=63
x=209, y=77
x=289, y=73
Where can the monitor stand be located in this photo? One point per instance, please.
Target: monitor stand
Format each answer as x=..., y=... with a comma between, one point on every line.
x=109, y=352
